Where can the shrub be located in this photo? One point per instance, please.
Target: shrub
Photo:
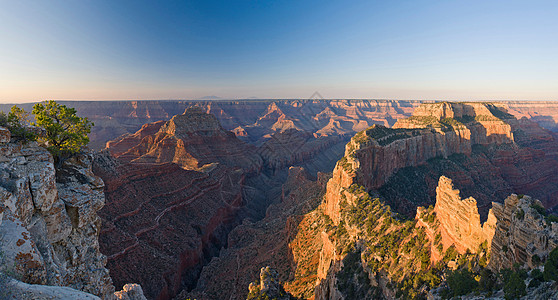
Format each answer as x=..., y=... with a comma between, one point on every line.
x=520, y=214
x=537, y=278
x=461, y=282
x=17, y=121
x=514, y=287
x=551, y=266
x=487, y=281
x=66, y=133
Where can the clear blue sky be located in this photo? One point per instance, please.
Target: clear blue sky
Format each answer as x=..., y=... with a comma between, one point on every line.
x=278, y=49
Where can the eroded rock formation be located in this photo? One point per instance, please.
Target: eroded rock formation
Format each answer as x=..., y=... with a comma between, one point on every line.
x=252, y=246
x=459, y=219
x=48, y=223
x=523, y=235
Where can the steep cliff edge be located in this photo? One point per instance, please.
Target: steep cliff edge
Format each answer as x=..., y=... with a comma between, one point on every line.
x=493, y=156
x=459, y=219
x=369, y=251
x=49, y=226
x=524, y=233
x=252, y=246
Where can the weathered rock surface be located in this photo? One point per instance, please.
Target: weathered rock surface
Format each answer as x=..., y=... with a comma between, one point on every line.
x=162, y=221
x=49, y=227
x=14, y=289
x=522, y=234
x=5, y=135
x=268, y=286
x=130, y=291
x=459, y=219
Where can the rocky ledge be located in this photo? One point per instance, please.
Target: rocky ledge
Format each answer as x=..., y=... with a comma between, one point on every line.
x=49, y=227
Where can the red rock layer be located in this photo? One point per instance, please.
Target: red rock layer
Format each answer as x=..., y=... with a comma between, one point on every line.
x=266, y=242
x=181, y=218
x=191, y=140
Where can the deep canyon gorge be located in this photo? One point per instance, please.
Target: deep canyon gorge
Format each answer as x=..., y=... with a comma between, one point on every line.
x=342, y=199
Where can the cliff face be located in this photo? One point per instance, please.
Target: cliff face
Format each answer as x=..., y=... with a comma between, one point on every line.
x=522, y=234
x=158, y=179
x=266, y=242
x=162, y=222
x=495, y=155
x=459, y=219
x=49, y=226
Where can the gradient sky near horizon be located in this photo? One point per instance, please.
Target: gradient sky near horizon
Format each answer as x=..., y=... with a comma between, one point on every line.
x=97, y=50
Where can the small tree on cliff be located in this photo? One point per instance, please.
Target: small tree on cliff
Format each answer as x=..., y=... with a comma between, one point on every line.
x=17, y=121
x=66, y=133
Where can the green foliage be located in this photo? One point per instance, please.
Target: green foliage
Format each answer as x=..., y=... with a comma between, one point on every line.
x=451, y=254
x=514, y=286
x=461, y=282
x=551, y=266
x=352, y=280
x=541, y=210
x=536, y=260
x=487, y=282
x=66, y=133
x=17, y=121
x=437, y=238
x=536, y=278
x=551, y=219
x=520, y=214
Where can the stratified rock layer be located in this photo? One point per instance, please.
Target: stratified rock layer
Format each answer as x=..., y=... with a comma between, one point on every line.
x=460, y=220
x=48, y=224
x=522, y=234
x=252, y=246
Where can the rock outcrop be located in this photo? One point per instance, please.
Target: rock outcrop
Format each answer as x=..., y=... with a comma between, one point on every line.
x=459, y=219
x=48, y=223
x=268, y=287
x=523, y=235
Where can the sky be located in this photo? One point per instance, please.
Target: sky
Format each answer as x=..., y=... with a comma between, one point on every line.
x=134, y=50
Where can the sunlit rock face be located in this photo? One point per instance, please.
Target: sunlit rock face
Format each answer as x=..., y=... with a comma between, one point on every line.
x=460, y=220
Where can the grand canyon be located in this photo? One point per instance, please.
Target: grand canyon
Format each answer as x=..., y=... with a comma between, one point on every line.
x=278, y=150
x=312, y=199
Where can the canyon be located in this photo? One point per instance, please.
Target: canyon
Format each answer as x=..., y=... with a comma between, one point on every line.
x=176, y=189
x=255, y=120
x=198, y=199
x=297, y=235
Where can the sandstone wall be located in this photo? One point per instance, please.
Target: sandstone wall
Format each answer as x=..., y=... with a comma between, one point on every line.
x=460, y=220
